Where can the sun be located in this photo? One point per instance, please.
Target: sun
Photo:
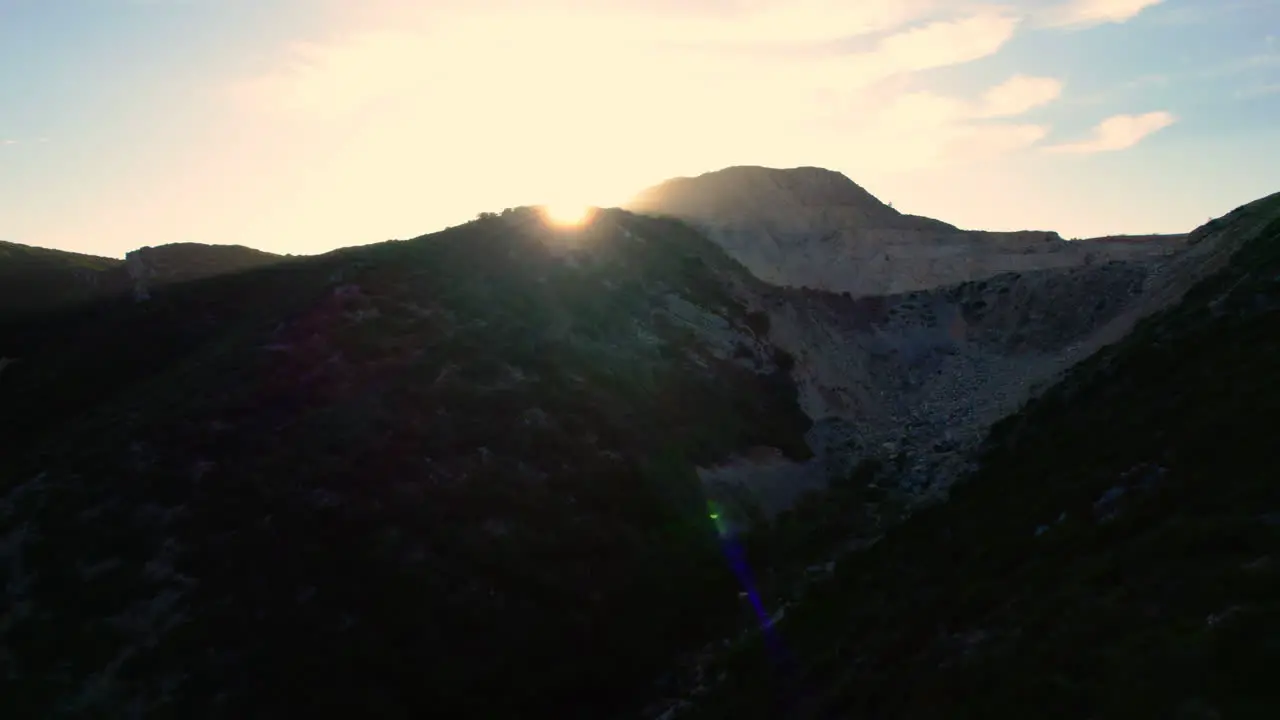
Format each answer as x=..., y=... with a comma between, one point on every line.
x=567, y=215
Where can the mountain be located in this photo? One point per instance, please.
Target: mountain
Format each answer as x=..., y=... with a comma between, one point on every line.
x=815, y=228
x=917, y=378
x=511, y=469
x=1114, y=555
x=35, y=279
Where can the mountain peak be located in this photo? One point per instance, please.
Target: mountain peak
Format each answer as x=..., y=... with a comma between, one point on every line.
x=751, y=194
x=816, y=228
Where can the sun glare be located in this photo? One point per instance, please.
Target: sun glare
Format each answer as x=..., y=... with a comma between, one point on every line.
x=567, y=215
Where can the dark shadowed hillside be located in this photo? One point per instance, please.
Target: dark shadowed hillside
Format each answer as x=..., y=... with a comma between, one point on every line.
x=182, y=262
x=36, y=279
x=452, y=476
x=511, y=470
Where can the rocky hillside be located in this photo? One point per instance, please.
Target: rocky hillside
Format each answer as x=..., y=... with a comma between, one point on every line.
x=512, y=470
x=915, y=379
x=815, y=228
x=1113, y=556
x=36, y=279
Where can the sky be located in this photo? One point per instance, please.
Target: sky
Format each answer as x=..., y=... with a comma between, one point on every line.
x=299, y=126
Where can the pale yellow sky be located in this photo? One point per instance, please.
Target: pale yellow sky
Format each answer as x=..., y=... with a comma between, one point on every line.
x=392, y=118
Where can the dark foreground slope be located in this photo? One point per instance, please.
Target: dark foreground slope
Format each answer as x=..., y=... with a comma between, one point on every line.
x=34, y=279
x=446, y=477
x=1116, y=556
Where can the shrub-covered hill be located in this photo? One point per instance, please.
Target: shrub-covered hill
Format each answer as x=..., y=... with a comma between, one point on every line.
x=34, y=279
x=447, y=477
x=1117, y=554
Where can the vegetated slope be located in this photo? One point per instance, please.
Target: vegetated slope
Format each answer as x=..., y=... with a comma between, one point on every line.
x=452, y=476
x=36, y=279
x=1117, y=554
x=183, y=262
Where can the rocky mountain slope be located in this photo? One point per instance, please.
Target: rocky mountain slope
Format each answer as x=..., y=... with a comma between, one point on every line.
x=916, y=378
x=34, y=279
x=815, y=228
x=921, y=376
x=1114, y=556
x=506, y=469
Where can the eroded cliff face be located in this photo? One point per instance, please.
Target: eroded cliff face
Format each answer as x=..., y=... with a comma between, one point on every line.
x=918, y=380
x=1051, y=566
x=815, y=228
x=914, y=378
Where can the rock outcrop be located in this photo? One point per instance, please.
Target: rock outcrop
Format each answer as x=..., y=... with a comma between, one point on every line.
x=816, y=228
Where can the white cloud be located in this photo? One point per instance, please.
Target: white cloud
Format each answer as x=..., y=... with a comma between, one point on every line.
x=7, y=141
x=1087, y=13
x=1258, y=90
x=1207, y=12
x=1121, y=90
x=1249, y=63
x=478, y=111
x=925, y=130
x=794, y=22
x=1117, y=133
x=655, y=55
x=802, y=79
x=694, y=22
x=1145, y=81
x=989, y=140
x=941, y=44
x=1019, y=94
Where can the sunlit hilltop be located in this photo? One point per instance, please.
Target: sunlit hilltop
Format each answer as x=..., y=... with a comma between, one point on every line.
x=567, y=215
